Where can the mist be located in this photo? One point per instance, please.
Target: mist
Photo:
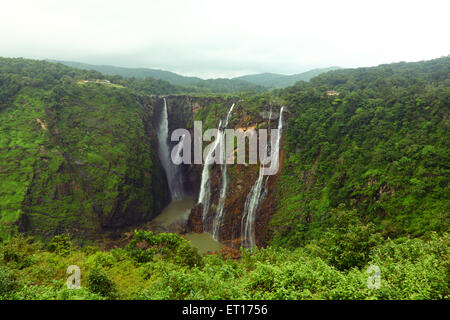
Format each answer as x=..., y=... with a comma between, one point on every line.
x=224, y=39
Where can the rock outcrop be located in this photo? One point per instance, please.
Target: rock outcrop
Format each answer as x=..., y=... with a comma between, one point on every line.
x=241, y=179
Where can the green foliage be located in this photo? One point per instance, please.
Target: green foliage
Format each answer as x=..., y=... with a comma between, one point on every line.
x=414, y=268
x=98, y=282
x=380, y=147
x=34, y=292
x=187, y=255
x=18, y=252
x=410, y=269
x=348, y=242
x=7, y=282
x=145, y=246
x=69, y=152
x=77, y=294
x=60, y=245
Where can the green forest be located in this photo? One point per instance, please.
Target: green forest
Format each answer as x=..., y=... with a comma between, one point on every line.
x=364, y=182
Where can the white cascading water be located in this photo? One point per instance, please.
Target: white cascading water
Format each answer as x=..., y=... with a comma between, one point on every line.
x=205, y=186
x=223, y=189
x=266, y=190
x=174, y=178
x=255, y=195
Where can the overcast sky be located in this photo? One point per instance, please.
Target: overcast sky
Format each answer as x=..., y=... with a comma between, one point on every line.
x=226, y=38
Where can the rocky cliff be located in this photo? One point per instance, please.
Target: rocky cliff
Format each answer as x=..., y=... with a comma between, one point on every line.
x=79, y=159
x=247, y=114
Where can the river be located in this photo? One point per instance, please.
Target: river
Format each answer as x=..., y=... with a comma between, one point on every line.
x=178, y=212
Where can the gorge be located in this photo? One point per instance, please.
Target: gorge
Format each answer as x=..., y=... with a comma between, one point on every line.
x=360, y=178
x=89, y=155
x=213, y=183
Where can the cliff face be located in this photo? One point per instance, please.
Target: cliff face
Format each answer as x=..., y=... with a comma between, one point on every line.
x=88, y=162
x=239, y=186
x=182, y=112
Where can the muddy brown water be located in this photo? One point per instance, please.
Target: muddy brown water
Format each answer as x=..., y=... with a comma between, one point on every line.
x=178, y=212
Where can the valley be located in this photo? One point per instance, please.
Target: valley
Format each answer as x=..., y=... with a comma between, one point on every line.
x=87, y=178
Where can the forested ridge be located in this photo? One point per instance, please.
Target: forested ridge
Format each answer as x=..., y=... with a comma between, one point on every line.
x=185, y=84
x=373, y=140
x=364, y=182
x=274, y=80
x=69, y=160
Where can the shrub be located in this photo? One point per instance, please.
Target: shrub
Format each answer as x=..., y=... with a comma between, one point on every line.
x=101, y=259
x=77, y=294
x=99, y=283
x=7, y=283
x=145, y=246
x=60, y=245
x=188, y=256
x=34, y=292
x=18, y=251
x=414, y=268
x=348, y=244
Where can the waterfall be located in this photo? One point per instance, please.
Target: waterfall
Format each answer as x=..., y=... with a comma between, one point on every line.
x=223, y=189
x=255, y=195
x=205, y=186
x=173, y=173
x=266, y=190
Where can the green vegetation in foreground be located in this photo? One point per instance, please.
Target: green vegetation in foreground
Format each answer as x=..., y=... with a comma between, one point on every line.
x=165, y=266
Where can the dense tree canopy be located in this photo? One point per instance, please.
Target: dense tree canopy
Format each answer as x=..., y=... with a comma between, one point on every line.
x=372, y=139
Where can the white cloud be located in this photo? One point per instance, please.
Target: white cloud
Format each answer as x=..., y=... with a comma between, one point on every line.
x=216, y=38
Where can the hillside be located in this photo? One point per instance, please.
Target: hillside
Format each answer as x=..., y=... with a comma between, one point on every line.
x=372, y=141
x=189, y=84
x=275, y=80
x=69, y=160
x=139, y=73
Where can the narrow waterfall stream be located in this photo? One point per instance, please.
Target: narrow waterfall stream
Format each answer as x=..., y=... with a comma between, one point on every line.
x=204, y=196
x=205, y=186
x=173, y=173
x=223, y=189
x=255, y=196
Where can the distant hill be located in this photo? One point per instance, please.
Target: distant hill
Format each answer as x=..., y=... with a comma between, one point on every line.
x=139, y=73
x=256, y=82
x=210, y=85
x=275, y=80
